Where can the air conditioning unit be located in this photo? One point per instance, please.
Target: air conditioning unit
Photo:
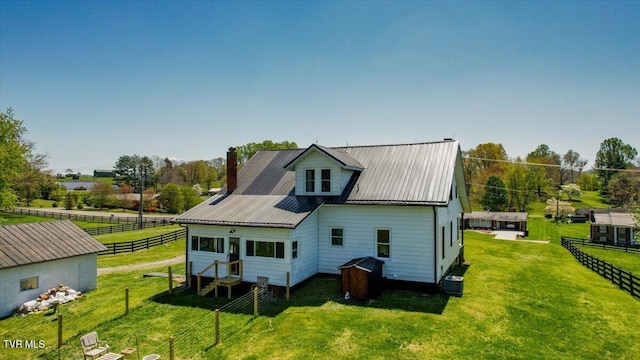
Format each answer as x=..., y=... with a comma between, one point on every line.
x=453, y=285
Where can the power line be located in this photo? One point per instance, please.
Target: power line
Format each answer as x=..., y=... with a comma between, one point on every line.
x=546, y=165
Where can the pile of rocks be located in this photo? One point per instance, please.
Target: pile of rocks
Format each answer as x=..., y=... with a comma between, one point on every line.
x=52, y=297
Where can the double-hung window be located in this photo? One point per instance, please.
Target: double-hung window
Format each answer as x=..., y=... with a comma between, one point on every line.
x=325, y=181
x=383, y=241
x=337, y=236
x=310, y=180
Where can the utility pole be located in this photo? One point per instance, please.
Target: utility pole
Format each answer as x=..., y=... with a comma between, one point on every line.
x=140, y=204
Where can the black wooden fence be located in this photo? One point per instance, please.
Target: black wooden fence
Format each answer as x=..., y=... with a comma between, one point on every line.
x=131, y=246
x=605, y=246
x=125, y=227
x=621, y=278
x=91, y=218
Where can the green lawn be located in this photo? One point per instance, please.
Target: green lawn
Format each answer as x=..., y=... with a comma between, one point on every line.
x=157, y=253
x=627, y=261
x=136, y=234
x=521, y=300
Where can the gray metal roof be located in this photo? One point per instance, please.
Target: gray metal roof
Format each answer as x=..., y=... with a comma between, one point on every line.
x=30, y=243
x=615, y=219
x=497, y=216
x=410, y=174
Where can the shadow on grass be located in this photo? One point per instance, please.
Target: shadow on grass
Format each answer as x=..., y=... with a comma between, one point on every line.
x=321, y=290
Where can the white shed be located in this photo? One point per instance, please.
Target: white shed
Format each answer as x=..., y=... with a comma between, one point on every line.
x=37, y=256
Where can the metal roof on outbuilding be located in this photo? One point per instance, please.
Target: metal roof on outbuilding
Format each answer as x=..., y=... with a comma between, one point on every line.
x=29, y=243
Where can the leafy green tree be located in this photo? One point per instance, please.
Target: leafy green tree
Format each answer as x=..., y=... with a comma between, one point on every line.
x=101, y=194
x=495, y=195
x=32, y=179
x=613, y=155
x=190, y=196
x=124, y=199
x=12, y=156
x=572, y=166
x=588, y=181
x=171, y=198
x=623, y=190
x=522, y=184
x=481, y=162
x=548, y=174
x=70, y=201
x=246, y=151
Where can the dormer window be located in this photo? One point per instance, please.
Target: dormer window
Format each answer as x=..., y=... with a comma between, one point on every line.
x=310, y=180
x=326, y=180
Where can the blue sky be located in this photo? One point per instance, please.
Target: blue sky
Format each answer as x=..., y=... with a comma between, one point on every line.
x=95, y=80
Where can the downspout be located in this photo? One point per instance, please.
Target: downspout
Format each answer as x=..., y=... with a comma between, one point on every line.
x=435, y=246
x=462, y=225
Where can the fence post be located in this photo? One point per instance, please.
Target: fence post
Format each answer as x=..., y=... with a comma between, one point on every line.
x=255, y=302
x=631, y=289
x=126, y=301
x=217, y=326
x=170, y=281
x=171, y=341
x=288, y=285
x=59, y=333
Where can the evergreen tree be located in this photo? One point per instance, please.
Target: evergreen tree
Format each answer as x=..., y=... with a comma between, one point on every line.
x=495, y=195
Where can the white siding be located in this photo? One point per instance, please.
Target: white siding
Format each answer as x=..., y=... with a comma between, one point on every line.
x=306, y=265
x=318, y=161
x=448, y=218
x=411, y=258
x=79, y=273
x=253, y=267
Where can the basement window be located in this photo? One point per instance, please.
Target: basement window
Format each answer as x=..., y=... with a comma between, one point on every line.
x=28, y=284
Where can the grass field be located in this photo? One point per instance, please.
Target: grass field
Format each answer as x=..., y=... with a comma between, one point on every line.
x=628, y=261
x=521, y=300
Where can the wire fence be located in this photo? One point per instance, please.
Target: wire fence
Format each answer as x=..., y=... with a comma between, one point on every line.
x=625, y=280
x=91, y=218
x=143, y=244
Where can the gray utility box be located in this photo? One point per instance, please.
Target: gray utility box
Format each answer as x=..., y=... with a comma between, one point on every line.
x=453, y=285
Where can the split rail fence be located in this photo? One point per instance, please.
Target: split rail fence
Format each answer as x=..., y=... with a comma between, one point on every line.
x=126, y=227
x=625, y=280
x=143, y=244
x=605, y=246
x=91, y=218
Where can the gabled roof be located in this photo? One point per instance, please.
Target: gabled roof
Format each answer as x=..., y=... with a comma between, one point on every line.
x=341, y=157
x=367, y=264
x=30, y=243
x=409, y=174
x=618, y=219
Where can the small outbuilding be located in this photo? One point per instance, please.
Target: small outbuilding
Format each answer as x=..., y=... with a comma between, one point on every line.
x=37, y=256
x=362, y=277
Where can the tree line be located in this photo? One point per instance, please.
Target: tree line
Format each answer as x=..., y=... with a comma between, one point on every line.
x=500, y=183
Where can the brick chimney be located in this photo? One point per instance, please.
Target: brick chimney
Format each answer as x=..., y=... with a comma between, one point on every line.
x=232, y=170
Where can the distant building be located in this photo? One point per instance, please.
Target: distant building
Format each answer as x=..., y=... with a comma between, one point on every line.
x=496, y=220
x=104, y=173
x=613, y=227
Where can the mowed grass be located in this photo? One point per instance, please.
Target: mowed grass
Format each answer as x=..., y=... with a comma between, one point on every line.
x=157, y=253
x=629, y=261
x=521, y=301
x=136, y=234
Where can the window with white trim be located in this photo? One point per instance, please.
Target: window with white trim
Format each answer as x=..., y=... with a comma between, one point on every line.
x=294, y=250
x=325, y=180
x=337, y=236
x=603, y=229
x=268, y=249
x=29, y=283
x=310, y=180
x=383, y=242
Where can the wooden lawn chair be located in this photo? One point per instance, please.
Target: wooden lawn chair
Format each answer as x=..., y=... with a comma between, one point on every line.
x=92, y=347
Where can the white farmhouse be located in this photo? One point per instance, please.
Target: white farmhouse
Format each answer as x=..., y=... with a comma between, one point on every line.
x=35, y=257
x=308, y=211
